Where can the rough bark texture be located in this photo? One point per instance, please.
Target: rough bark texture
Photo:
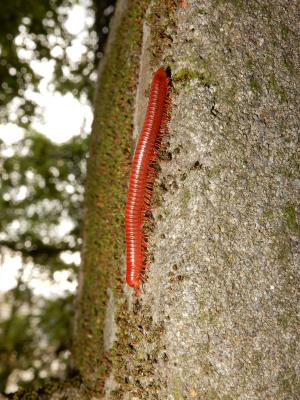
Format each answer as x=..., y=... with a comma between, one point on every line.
x=219, y=316
x=225, y=280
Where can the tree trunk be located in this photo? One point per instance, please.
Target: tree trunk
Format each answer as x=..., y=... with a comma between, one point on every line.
x=219, y=313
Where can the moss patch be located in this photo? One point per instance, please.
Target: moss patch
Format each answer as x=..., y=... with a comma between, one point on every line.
x=290, y=215
x=277, y=89
x=255, y=86
x=204, y=74
x=106, y=187
x=162, y=21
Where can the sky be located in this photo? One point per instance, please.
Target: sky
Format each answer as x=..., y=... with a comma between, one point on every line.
x=63, y=116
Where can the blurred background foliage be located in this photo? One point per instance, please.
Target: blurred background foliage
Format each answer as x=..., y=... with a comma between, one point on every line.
x=35, y=30
x=41, y=190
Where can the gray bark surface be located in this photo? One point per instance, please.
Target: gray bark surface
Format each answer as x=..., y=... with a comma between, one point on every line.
x=222, y=295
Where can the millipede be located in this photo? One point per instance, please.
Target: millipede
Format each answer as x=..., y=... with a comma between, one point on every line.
x=142, y=177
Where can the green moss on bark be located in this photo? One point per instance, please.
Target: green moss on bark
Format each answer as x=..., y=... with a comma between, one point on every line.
x=106, y=185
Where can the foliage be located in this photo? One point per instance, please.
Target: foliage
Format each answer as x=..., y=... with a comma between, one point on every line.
x=34, y=341
x=36, y=31
x=41, y=187
x=25, y=32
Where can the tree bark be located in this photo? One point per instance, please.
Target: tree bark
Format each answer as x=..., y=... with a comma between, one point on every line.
x=219, y=314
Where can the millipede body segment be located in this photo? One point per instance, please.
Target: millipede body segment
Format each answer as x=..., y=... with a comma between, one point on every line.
x=142, y=177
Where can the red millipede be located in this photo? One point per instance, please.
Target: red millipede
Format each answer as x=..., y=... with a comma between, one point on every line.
x=142, y=177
